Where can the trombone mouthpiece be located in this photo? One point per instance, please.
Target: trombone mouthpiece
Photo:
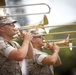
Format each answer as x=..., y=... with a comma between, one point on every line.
x=44, y=41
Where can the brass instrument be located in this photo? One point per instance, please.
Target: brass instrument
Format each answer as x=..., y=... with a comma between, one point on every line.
x=62, y=43
x=67, y=42
x=43, y=26
x=16, y=6
x=45, y=22
x=27, y=28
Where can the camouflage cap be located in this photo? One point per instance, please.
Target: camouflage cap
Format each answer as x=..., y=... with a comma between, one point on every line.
x=34, y=32
x=4, y=17
x=6, y=20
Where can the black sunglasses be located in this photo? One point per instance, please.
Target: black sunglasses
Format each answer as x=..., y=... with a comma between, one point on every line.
x=38, y=36
x=11, y=24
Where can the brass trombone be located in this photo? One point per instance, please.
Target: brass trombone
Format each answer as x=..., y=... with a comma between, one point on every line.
x=67, y=42
x=43, y=26
x=62, y=43
x=16, y=6
x=45, y=22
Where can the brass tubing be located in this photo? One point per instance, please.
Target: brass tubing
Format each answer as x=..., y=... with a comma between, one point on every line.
x=67, y=47
x=60, y=25
x=66, y=32
x=44, y=26
x=15, y=6
x=59, y=40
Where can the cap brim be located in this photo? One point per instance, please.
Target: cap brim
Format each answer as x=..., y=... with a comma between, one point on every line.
x=14, y=21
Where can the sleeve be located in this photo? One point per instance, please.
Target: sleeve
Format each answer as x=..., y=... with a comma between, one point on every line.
x=40, y=57
x=5, y=48
x=8, y=50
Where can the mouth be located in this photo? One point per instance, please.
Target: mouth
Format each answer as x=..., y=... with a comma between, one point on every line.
x=15, y=31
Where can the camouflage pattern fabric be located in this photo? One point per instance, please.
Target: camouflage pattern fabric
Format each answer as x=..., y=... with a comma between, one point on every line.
x=7, y=66
x=35, y=67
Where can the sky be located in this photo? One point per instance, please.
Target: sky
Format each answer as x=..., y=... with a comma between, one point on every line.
x=62, y=11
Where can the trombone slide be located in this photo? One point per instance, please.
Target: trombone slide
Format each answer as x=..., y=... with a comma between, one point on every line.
x=63, y=42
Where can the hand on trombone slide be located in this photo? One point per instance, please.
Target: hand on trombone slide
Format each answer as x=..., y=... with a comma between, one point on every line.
x=66, y=42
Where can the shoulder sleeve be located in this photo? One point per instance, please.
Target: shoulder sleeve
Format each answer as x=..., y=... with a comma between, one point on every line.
x=39, y=57
x=2, y=44
x=5, y=48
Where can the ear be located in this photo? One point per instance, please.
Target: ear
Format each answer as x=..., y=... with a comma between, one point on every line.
x=1, y=29
x=33, y=40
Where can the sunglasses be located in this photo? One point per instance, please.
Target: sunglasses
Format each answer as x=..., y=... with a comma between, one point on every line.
x=38, y=36
x=11, y=24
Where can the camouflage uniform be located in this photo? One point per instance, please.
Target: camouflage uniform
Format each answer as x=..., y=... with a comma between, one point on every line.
x=35, y=67
x=7, y=66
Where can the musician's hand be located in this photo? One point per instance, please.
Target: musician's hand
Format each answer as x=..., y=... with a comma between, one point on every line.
x=52, y=46
x=25, y=35
x=55, y=48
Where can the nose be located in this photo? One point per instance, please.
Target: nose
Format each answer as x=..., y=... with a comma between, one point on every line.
x=43, y=38
x=14, y=25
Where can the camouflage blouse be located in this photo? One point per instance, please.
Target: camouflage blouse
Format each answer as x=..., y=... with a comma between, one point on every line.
x=35, y=67
x=7, y=66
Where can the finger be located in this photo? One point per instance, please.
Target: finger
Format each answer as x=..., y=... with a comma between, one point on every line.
x=20, y=30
